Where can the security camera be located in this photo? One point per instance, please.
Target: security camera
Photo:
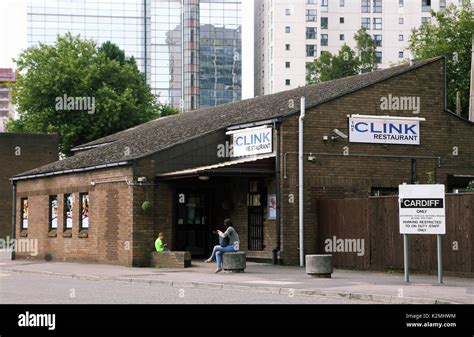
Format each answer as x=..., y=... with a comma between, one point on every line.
x=311, y=157
x=141, y=179
x=339, y=134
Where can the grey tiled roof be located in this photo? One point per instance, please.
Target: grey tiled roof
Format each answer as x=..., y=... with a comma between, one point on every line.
x=165, y=132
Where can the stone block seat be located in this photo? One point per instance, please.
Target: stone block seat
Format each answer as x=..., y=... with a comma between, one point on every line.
x=319, y=265
x=171, y=259
x=234, y=262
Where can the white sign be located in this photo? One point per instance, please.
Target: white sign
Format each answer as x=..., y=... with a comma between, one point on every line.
x=252, y=141
x=389, y=130
x=422, y=209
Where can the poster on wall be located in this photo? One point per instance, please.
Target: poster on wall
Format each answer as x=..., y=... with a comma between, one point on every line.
x=85, y=211
x=69, y=206
x=24, y=213
x=272, y=206
x=54, y=213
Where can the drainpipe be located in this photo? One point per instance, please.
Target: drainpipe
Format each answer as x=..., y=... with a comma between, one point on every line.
x=301, y=180
x=275, y=251
x=13, y=216
x=471, y=92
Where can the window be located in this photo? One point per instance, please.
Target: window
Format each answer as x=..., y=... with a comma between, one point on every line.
x=324, y=23
x=311, y=15
x=378, y=23
x=324, y=39
x=400, y=54
x=24, y=214
x=68, y=211
x=287, y=12
x=342, y=3
x=400, y=3
x=341, y=37
x=324, y=5
x=287, y=64
x=400, y=37
x=84, y=216
x=400, y=21
x=425, y=5
x=311, y=33
x=378, y=40
x=365, y=23
x=442, y=4
x=378, y=56
x=377, y=6
x=341, y=19
x=425, y=20
x=365, y=6
x=53, y=212
x=287, y=29
x=287, y=82
x=310, y=50
x=311, y=2
x=255, y=214
x=287, y=46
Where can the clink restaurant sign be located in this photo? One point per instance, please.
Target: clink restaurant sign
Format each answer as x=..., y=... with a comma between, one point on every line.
x=252, y=141
x=384, y=130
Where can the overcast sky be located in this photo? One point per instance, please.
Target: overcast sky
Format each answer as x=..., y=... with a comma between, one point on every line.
x=13, y=38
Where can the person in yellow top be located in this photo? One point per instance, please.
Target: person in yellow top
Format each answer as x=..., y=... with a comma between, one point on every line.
x=160, y=245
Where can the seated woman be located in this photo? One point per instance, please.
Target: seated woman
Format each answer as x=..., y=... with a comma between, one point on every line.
x=233, y=245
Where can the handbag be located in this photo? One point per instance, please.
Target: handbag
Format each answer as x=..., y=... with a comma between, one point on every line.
x=224, y=242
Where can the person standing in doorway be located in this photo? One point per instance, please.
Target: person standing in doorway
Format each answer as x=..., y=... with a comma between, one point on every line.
x=232, y=245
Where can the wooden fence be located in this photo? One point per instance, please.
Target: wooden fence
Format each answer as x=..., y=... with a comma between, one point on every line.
x=375, y=220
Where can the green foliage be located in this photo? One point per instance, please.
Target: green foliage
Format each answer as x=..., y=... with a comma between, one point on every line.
x=78, y=68
x=346, y=63
x=450, y=35
x=470, y=186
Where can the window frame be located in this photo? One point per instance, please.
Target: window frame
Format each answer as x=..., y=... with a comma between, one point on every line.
x=50, y=212
x=81, y=220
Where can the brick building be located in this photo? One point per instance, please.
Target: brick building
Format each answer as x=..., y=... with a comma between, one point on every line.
x=182, y=165
x=18, y=153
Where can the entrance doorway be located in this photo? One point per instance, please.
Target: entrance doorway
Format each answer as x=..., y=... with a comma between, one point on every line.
x=192, y=223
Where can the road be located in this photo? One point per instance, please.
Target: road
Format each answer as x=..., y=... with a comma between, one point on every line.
x=24, y=288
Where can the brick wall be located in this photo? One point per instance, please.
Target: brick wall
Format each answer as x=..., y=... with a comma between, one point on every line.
x=341, y=177
x=20, y=153
x=109, y=237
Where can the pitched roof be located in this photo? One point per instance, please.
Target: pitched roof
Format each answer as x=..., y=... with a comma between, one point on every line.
x=165, y=132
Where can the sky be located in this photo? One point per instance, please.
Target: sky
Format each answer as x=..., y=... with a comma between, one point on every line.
x=13, y=38
x=12, y=31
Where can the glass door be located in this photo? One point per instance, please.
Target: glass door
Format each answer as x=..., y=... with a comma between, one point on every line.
x=192, y=227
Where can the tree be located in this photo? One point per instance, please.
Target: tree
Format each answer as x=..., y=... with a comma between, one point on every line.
x=450, y=35
x=346, y=63
x=80, y=91
x=366, y=49
x=329, y=67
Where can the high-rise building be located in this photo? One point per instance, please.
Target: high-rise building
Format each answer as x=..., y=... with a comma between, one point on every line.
x=288, y=34
x=189, y=50
x=7, y=109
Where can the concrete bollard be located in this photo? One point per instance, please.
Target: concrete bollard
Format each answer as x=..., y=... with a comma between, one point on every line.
x=319, y=265
x=234, y=262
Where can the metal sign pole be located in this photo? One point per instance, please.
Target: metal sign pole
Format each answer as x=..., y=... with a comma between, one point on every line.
x=440, y=258
x=405, y=257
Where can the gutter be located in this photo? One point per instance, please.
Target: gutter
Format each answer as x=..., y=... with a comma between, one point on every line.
x=83, y=169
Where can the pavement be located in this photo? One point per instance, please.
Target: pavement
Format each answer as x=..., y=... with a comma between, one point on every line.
x=371, y=287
